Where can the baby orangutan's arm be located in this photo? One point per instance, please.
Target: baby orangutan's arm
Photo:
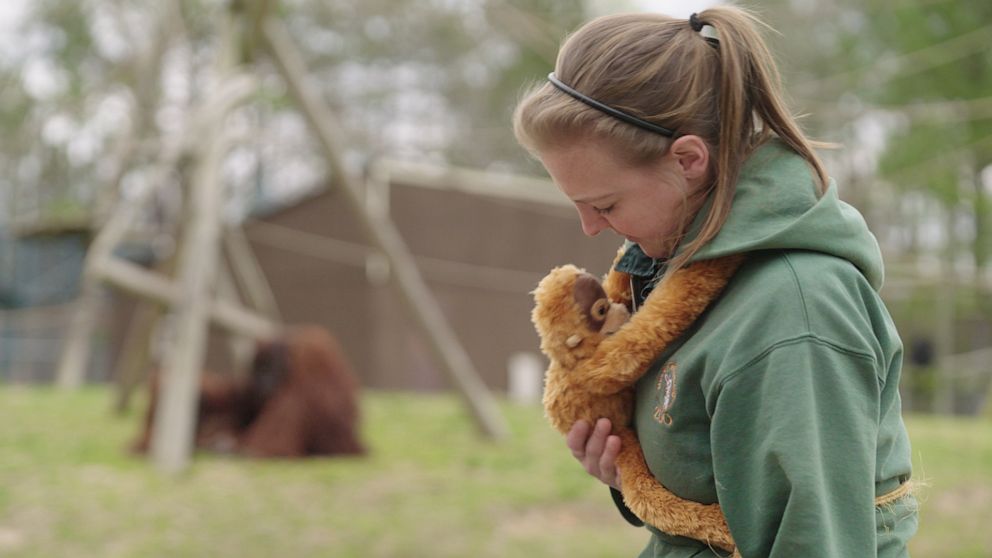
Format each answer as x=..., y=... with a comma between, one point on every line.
x=617, y=284
x=622, y=358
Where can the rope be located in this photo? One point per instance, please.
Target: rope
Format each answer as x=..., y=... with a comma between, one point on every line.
x=902, y=490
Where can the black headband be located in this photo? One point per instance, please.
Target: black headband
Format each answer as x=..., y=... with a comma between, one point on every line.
x=615, y=113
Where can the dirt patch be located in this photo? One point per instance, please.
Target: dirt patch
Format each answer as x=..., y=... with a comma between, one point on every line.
x=10, y=539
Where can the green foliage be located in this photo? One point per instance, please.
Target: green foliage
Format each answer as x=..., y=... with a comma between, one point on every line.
x=921, y=159
x=71, y=43
x=927, y=66
x=430, y=487
x=937, y=53
x=474, y=56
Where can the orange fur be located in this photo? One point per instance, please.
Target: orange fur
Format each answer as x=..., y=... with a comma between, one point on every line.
x=596, y=378
x=617, y=284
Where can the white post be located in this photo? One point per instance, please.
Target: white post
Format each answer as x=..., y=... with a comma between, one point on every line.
x=525, y=382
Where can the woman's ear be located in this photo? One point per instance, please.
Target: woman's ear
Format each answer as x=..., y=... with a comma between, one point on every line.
x=693, y=157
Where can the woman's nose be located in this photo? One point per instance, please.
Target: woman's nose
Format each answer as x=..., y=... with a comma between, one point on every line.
x=592, y=222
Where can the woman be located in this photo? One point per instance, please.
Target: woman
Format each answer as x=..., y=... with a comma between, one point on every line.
x=781, y=401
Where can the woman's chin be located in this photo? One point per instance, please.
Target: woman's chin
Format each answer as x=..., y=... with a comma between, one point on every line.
x=654, y=251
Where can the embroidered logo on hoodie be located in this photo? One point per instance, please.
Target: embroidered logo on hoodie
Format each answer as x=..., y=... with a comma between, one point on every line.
x=666, y=381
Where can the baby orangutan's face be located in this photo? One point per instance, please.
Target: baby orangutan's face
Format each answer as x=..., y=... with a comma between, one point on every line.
x=572, y=313
x=599, y=313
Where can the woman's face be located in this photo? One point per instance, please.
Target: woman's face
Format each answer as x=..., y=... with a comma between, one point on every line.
x=649, y=205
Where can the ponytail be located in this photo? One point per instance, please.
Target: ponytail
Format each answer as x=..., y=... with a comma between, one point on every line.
x=750, y=94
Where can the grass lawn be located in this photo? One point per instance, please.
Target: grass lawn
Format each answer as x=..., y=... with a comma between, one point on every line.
x=430, y=487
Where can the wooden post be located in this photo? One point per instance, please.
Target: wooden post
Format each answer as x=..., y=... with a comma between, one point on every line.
x=192, y=299
x=383, y=234
x=944, y=343
x=76, y=348
x=239, y=346
x=377, y=205
x=141, y=282
x=244, y=271
x=133, y=362
x=249, y=275
x=251, y=14
x=944, y=320
x=175, y=414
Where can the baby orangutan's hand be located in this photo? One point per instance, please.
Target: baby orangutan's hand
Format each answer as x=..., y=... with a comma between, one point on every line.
x=596, y=449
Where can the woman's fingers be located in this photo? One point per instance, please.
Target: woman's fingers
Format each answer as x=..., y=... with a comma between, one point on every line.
x=596, y=449
x=576, y=439
x=608, y=471
x=595, y=445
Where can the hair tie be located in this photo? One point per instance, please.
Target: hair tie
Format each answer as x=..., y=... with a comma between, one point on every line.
x=694, y=22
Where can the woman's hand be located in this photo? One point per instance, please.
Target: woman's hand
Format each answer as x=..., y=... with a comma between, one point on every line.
x=596, y=449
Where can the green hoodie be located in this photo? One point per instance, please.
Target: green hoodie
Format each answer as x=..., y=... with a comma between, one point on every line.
x=781, y=402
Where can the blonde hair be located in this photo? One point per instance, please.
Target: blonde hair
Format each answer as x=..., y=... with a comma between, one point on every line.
x=726, y=91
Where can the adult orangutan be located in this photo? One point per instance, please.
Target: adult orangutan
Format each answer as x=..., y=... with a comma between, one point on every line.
x=310, y=398
x=300, y=398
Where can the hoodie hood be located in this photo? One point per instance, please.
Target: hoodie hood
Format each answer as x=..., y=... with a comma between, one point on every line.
x=776, y=207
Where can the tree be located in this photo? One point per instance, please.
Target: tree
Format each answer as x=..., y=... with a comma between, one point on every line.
x=930, y=62
x=412, y=80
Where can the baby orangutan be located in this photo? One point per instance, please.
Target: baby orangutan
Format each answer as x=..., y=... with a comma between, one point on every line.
x=598, y=352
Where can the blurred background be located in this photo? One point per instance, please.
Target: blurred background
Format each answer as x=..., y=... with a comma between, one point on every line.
x=144, y=141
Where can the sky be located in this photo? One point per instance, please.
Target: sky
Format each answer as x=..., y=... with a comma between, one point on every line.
x=11, y=13
x=676, y=8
